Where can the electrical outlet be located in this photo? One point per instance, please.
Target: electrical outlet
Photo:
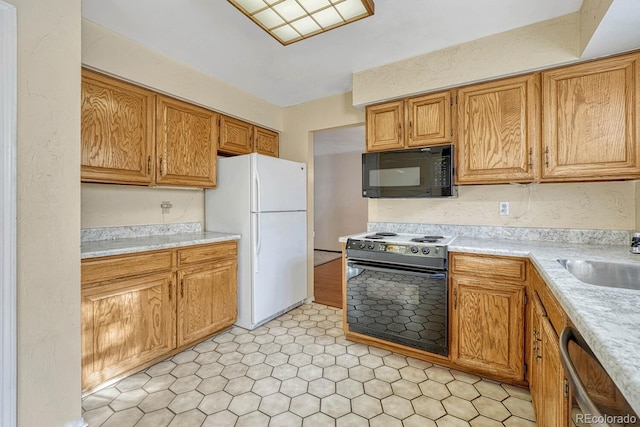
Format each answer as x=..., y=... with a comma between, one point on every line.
x=503, y=208
x=166, y=207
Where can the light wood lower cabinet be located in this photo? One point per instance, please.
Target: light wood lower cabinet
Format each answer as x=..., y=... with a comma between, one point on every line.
x=206, y=300
x=487, y=315
x=551, y=397
x=488, y=327
x=126, y=323
x=548, y=384
x=139, y=308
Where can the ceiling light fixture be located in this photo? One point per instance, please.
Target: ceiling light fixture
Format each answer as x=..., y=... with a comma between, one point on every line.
x=289, y=21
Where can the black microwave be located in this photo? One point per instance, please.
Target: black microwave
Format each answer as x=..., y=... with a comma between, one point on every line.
x=420, y=172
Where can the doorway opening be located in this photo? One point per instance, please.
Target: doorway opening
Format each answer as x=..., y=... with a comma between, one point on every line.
x=339, y=208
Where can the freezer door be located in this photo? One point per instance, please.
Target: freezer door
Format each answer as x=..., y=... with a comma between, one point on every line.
x=279, y=262
x=278, y=184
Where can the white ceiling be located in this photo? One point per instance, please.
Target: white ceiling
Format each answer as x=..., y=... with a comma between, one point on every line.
x=214, y=37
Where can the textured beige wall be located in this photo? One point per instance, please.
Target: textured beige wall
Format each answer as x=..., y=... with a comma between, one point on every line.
x=117, y=205
x=114, y=54
x=296, y=143
x=596, y=205
x=48, y=226
x=113, y=205
x=591, y=14
x=339, y=208
x=539, y=45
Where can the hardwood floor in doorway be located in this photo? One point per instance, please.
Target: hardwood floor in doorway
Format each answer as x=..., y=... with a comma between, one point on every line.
x=327, y=283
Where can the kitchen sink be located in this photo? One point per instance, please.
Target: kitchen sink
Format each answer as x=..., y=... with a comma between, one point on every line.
x=611, y=274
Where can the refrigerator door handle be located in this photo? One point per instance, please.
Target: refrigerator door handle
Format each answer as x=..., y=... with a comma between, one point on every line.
x=257, y=243
x=256, y=193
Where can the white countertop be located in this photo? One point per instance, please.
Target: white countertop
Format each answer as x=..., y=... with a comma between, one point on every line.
x=607, y=318
x=101, y=248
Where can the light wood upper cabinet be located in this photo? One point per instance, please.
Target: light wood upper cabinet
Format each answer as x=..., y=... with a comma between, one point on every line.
x=488, y=315
x=428, y=119
x=410, y=123
x=116, y=131
x=590, y=127
x=498, y=131
x=126, y=323
x=266, y=142
x=385, y=129
x=236, y=136
x=186, y=150
x=132, y=136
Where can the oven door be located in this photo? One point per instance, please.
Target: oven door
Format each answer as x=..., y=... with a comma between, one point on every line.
x=399, y=304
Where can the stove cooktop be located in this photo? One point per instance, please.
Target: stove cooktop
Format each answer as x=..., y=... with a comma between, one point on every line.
x=405, y=238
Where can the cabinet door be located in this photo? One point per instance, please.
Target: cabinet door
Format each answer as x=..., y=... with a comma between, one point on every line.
x=535, y=359
x=266, y=141
x=126, y=323
x=488, y=327
x=429, y=120
x=235, y=136
x=553, y=393
x=590, y=123
x=207, y=300
x=116, y=131
x=185, y=139
x=385, y=126
x=498, y=129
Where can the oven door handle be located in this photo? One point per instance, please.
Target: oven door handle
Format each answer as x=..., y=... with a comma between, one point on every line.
x=415, y=271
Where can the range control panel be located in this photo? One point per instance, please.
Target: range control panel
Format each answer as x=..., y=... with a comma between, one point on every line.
x=407, y=249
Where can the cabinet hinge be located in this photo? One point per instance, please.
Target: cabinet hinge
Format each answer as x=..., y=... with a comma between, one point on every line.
x=526, y=299
x=451, y=101
x=566, y=388
x=526, y=367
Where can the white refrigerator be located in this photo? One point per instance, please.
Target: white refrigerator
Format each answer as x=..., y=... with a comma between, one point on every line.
x=265, y=200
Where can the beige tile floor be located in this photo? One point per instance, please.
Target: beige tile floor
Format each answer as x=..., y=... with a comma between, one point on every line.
x=300, y=370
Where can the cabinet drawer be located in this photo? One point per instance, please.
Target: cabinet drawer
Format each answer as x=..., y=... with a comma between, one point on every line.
x=554, y=310
x=489, y=266
x=207, y=253
x=119, y=266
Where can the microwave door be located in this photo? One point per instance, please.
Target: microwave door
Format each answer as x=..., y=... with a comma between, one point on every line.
x=425, y=172
x=392, y=174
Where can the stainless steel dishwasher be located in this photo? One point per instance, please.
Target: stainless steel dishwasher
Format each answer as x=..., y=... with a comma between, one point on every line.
x=588, y=411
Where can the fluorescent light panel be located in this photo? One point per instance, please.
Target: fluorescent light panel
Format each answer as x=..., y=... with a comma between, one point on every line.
x=289, y=21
